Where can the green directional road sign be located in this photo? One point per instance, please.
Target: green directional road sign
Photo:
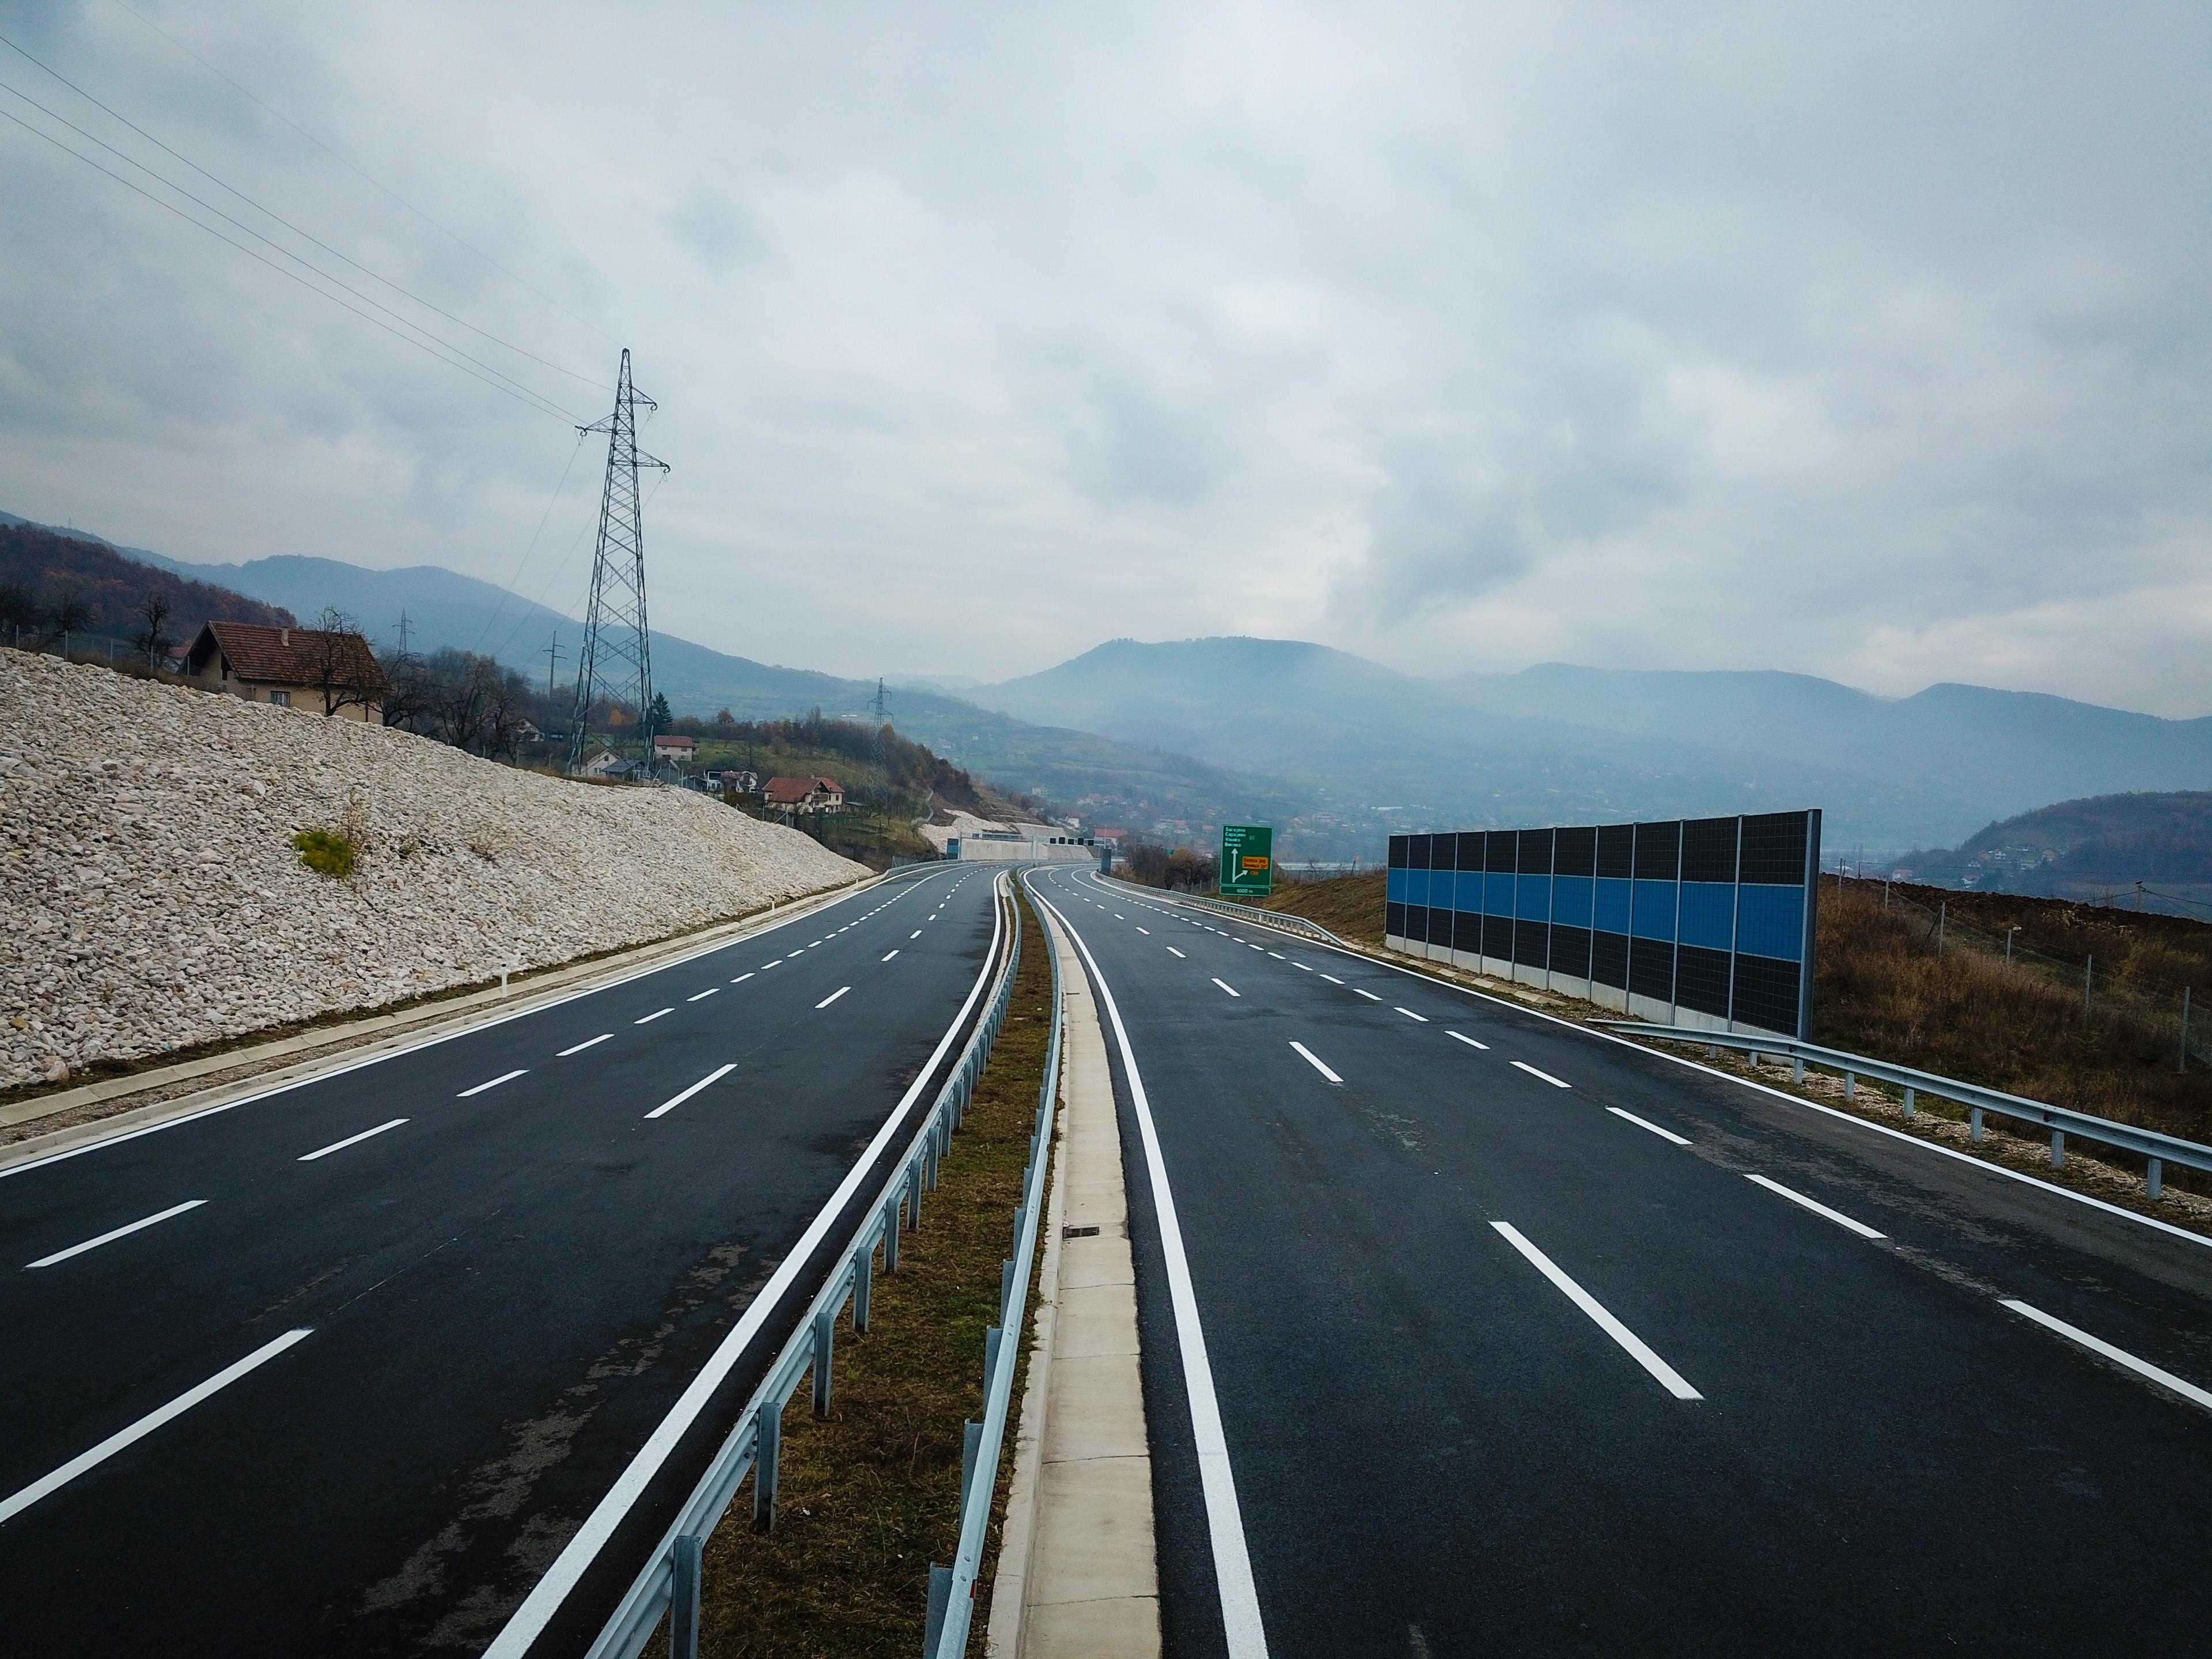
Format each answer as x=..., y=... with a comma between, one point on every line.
x=1248, y=860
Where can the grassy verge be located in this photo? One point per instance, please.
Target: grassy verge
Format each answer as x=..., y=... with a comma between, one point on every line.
x=869, y=1496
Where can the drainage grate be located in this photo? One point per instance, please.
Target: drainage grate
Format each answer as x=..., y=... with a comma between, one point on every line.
x=1078, y=1233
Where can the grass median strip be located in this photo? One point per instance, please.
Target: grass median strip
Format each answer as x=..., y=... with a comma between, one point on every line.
x=869, y=1496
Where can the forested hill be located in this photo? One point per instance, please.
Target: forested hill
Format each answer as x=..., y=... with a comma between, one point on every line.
x=48, y=581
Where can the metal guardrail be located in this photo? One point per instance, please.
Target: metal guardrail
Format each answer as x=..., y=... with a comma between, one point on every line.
x=1282, y=920
x=952, y=1589
x=671, y=1579
x=2158, y=1150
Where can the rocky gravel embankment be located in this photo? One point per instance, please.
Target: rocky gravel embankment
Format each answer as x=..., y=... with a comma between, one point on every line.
x=151, y=899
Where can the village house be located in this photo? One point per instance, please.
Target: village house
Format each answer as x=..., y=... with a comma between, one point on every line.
x=324, y=672
x=673, y=745
x=806, y=795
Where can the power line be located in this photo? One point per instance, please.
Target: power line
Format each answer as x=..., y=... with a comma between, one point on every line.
x=531, y=399
x=378, y=183
x=276, y=248
x=508, y=591
x=271, y=213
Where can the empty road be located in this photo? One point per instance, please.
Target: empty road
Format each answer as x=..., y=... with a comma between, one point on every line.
x=1465, y=1331
x=342, y=1368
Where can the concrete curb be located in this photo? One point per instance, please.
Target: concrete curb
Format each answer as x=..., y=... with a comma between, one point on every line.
x=1079, y=1525
x=341, y=1048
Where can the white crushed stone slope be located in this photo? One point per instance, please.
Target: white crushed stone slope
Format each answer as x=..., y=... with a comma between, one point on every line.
x=152, y=899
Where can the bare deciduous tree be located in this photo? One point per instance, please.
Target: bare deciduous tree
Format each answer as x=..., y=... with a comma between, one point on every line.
x=154, y=640
x=343, y=668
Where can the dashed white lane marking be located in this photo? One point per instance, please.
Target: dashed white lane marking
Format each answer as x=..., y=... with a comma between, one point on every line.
x=1332, y=979
x=14, y=1506
x=1146, y=931
x=1279, y=956
x=916, y=934
x=765, y=966
x=741, y=978
x=119, y=1233
x=2142, y=1368
x=1410, y=1014
x=1369, y=995
x=1463, y=1037
x=1301, y=967
x=504, y=1076
x=892, y=954
x=350, y=1141
x=704, y=994
x=1525, y=1066
x=1314, y=1061
x=1118, y=916
x=1177, y=954
x=1663, y=1135
x=1669, y=1378
x=831, y=998
x=652, y=1017
x=1225, y=986
x=589, y=1042
x=714, y=1076
x=1811, y=1203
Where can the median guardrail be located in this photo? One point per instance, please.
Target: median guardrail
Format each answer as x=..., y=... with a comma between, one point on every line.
x=671, y=1579
x=952, y=1589
x=1281, y=921
x=2158, y=1150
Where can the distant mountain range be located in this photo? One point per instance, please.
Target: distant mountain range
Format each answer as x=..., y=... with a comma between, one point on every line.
x=1338, y=750
x=2152, y=850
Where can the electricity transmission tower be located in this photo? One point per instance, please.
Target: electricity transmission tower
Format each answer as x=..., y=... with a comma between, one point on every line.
x=881, y=702
x=616, y=658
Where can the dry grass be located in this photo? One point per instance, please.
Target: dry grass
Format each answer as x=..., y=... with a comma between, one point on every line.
x=869, y=1496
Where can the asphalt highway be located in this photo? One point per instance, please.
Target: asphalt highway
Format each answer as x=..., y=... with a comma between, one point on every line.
x=1467, y=1331
x=341, y=1370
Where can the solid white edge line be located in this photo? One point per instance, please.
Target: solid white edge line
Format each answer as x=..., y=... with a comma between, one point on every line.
x=12, y=1506
x=431, y=1041
x=350, y=1141
x=1752, y=1084
x=1668, y=1378
x=2142, y=1368
x=119, y=1233
x=1522, y=1065
x=1314, y=1061
x=527, y=1622
x=1231, y=990
x=592, y=1043
x=1815, y=1207
x=831, y=998
x=1232, y=1558
x=504, y=1076
x=1463, y=1037
x=1646, y=1123
x=714, y=1076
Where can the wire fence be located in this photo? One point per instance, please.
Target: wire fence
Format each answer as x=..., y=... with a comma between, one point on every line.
x=2116, y=990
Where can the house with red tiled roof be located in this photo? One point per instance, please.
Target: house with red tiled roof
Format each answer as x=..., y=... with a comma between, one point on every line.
x=816, y=794
x=325, y=671
x=674, y=745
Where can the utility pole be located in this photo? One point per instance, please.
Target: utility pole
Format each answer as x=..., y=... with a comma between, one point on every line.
x=617, y=655
x=552, y=661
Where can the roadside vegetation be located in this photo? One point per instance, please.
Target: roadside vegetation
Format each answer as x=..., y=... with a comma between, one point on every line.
x=869, y=1496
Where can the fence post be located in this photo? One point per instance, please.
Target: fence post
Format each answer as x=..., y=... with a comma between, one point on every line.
x=768, y=1438
x=2182, y=1063
x=1942, y=914
x=826, y=1334
x=2088, y=970
x=683, y=1599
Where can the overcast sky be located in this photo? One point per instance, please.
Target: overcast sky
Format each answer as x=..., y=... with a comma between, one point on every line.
x=1870, y=341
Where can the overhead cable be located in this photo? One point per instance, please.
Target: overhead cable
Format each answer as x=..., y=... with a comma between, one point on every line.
x=529, y=398
x=304, y=235
x=368, y=178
